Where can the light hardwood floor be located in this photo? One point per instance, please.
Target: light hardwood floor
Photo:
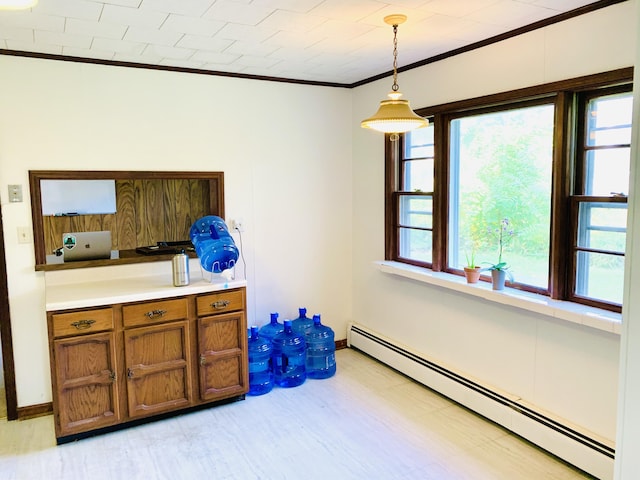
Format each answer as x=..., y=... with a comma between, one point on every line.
x=366, y=422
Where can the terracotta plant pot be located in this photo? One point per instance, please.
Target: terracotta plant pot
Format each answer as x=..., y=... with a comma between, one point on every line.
x=472, y=274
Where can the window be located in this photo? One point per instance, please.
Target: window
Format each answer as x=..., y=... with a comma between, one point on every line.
x=600, y=200
x=554, y=160
x=500, y=167
x=415, y=201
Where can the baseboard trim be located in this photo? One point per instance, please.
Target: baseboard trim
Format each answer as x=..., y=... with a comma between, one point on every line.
x=563, y=441
x=33, y=411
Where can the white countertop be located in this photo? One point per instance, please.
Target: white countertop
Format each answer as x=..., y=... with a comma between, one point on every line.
x=129, y=289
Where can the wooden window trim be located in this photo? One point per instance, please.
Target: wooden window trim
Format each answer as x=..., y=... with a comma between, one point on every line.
x=565, y=152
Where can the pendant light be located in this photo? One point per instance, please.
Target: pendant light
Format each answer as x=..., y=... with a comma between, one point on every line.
x=394, y=115
x=17, y=4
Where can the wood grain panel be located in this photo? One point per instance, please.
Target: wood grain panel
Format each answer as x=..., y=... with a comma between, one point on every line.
x=223, y=375
x=126, y=215
x=54, y=227
x=221, y=334
x=199, y=191
x=177, y=208
x=149, y=206
x=87, y=223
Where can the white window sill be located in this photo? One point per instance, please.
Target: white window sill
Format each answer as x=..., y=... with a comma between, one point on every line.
x=571, y=312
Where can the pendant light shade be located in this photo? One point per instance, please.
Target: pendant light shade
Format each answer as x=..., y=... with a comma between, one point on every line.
x=394, y=115
x=17, y=4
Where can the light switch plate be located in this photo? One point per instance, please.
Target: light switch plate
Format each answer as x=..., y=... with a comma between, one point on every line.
x=15, y=193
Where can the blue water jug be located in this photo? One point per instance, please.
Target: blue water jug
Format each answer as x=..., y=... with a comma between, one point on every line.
x=260, y=371
x=321, y=350
x=272, y=328
x=289, y=357
x=213, y=244
x=302, y=324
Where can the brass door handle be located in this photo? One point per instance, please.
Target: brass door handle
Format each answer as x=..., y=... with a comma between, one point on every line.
x=83, y=324
x=153, y=314
x=220, y=304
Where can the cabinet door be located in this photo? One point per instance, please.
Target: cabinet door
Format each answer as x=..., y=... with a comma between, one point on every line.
x=158, y=368
x=86, y=387
x=222, y=346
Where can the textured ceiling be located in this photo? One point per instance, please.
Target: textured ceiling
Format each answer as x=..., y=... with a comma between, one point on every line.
x=332, y=41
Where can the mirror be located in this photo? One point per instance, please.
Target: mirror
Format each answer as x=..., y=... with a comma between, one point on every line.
x=151, y=209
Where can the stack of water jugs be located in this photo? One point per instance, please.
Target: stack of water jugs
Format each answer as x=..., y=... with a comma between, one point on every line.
x=286, y=354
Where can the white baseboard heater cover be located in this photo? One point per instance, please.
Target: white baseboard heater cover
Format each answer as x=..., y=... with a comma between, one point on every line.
x=512, y=413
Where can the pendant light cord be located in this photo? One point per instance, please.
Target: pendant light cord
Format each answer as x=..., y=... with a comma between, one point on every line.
x=395, y=59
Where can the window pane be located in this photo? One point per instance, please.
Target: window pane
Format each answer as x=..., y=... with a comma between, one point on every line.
x=607, y=171
x=416, y=244
x=418, y=175
x=609, y=120
x=602, y=226
x=416, y=211
x=419, y=143
x=501, y=168
x=600, y=276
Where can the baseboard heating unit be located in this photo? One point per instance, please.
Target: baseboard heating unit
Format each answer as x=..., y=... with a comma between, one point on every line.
x=511, y=412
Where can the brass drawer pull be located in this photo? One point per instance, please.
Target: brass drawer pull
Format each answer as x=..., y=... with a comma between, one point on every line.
x=153, y=314
x=220, y=304
x=83, y=324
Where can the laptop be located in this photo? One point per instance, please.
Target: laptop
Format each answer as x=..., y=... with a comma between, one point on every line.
x=86, y=246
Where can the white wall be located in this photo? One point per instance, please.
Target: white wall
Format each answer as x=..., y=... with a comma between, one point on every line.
x=627, y=460
x=285, y=151
x=568, y=370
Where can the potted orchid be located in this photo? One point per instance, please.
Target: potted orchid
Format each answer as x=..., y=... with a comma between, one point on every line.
x=500, y=269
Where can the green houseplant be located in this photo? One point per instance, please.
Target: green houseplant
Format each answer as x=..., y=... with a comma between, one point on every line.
x=471, y=270
x=500, y=269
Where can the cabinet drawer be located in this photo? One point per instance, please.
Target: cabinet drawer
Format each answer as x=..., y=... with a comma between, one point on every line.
x=86, y=321
x=227, y=301
x=149, y=313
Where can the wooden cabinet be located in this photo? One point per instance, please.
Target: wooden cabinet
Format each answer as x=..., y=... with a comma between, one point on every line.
x=157, y=356
x=222, y=341
x=115, y=365
x=85, y=387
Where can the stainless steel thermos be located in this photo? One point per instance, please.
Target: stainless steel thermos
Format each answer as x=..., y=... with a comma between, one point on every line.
x=180, y=268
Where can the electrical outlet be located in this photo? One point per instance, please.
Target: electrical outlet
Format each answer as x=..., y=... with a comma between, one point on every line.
x=24, y=235
x=238, y=225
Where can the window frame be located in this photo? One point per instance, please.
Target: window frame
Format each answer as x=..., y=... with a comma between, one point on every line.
x=568, y=97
